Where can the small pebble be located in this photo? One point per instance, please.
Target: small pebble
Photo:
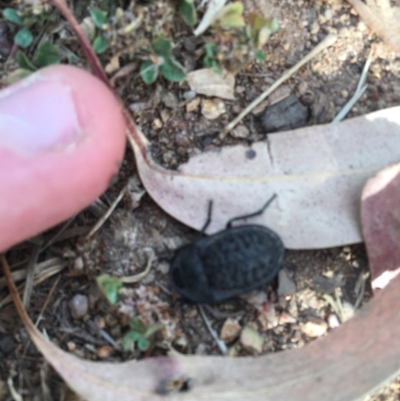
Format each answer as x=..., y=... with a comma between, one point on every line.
x=251, y=340
x=78, y=306
x=182, y=342
x=230, y=330
x=212, y=108
x=347, y=311
x=314, y=330
x=170, y=100
x=138, y=107
x=193, y=105
x=240, y=132
x=189, y=95
x=71, y=346
x=105, y=351
x=267, y=316
x=333, y=321
x=78, y=263
x=286, y=318
x=157, y=124
x=286, y=284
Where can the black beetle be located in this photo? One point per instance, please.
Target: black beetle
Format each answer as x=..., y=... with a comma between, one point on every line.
x=229, y=263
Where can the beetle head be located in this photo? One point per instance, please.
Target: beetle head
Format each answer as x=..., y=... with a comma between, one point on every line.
x=187, y=274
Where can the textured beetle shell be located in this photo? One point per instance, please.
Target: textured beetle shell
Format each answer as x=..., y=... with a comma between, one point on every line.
x=227, y=264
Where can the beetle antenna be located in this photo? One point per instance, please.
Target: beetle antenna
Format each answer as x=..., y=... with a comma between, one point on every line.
x=208, y=221
x=246, y=216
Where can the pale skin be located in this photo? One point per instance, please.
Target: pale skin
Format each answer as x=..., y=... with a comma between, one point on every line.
x=62, y=139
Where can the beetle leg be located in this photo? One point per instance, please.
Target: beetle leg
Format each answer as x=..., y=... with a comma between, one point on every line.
x=246, y=216
x=208, y=221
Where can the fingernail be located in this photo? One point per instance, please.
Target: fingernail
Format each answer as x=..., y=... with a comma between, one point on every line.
x=38, y=115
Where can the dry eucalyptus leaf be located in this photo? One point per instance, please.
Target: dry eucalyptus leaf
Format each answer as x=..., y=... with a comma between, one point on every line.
x=381, y=18
x=354, y=360
x=209, y=83
x=317, y=172
x=380, y=213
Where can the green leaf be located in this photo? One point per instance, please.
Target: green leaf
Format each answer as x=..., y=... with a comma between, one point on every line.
x=274, y=25
x=232, y=21
x=138, y=326
x=210, y=59
x=173, y=70
x=23, y=38
x=47, y=54
x=143, y=344
x=149, y=72
x=231, y=16
x=210, y=49
x=100, y=45
x=187, y=11
x=129, y=340
x=261, y=29
x=99, y=17
x=162, y=47
x=11, y=15
x=259, y=55
x=109, y=286
x=24, y=62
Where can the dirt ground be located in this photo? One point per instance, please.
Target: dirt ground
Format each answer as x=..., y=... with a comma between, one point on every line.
x=316, y=290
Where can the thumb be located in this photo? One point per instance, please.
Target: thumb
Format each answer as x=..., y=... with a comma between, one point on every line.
x=62, y=137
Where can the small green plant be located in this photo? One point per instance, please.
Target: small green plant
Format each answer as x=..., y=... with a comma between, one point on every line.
x=187, y=10
x=210, y=58
x=162, y=60
x=109, y=287
x=139, y=337
x=46, y=54
x=24, y=37
x=233, y=43
x=99, y=18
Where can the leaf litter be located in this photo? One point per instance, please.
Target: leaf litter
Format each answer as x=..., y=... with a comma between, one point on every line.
x=254, y=383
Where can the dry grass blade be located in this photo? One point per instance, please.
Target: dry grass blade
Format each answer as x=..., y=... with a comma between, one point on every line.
x=137, y=277
x=42, y=276
x=107, y=214
x=29, y=277
x=18, y=275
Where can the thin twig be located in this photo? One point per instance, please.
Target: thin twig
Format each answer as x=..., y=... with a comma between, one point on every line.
x=328, y=41
x=20, y=274
x=44, y=275
x=108, y=213
x=137, y=277
x=29, y=277
x=103, y=334
x=221, y=345
x=46, y=302
x=361, y=88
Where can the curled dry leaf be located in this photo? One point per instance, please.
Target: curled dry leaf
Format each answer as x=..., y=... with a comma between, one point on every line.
x=208, y=82
x=354, y=359
x=381, y=18
x=317, y=172
x=380, y=213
